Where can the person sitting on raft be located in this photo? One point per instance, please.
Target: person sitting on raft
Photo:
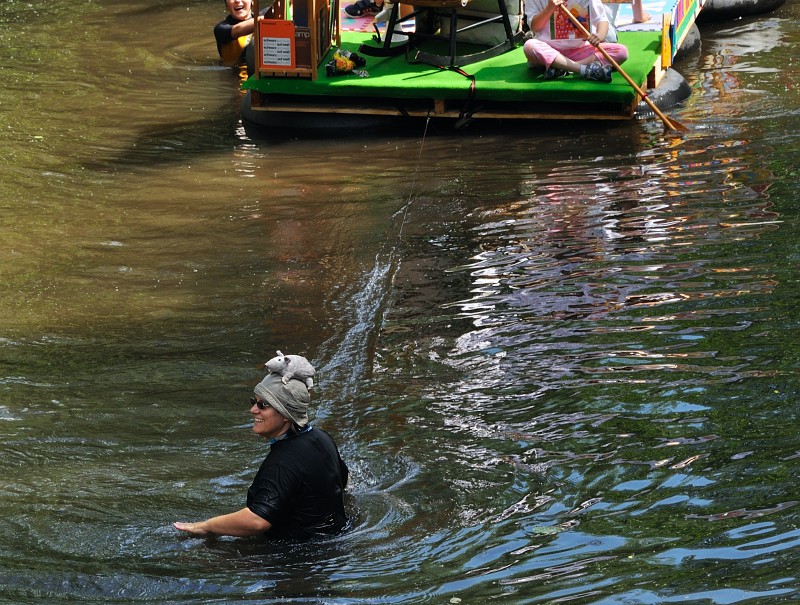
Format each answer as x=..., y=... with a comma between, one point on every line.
x=364, y=7
x=298, y=492
x=573, y=54
x=234, y=32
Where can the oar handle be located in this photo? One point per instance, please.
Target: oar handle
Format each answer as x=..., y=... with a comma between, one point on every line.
x=616, y=66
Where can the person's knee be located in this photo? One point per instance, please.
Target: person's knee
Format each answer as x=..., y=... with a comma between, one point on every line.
x=532, y=53
x=617, y=51
x=529, y=49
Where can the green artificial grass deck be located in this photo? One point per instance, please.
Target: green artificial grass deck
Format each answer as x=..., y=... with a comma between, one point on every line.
x=505, y=78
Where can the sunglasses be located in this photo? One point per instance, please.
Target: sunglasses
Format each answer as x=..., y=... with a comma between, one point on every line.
x=261, y=405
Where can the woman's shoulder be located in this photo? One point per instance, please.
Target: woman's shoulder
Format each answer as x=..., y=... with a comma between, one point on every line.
x=312, y=438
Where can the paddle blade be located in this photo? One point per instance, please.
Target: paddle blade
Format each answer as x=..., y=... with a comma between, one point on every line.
x=671, y=124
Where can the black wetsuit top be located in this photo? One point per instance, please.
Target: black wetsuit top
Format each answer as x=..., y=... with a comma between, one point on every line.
x=300, y=486
x=230, y=49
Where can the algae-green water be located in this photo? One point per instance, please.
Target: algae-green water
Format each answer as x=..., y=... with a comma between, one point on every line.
x=560, y=360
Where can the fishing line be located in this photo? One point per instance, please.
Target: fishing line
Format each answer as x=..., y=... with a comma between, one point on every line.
x=353, y=351
x=414, y=178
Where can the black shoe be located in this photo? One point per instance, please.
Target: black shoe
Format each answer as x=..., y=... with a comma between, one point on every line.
x=363, y=7
x=551, y=73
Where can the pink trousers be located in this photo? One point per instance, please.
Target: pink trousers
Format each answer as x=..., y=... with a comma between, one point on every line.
x=541, y=54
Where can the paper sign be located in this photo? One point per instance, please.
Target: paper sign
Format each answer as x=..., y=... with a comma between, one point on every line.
x=277, y=44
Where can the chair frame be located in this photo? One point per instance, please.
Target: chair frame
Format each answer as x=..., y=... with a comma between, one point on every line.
x=443, y=7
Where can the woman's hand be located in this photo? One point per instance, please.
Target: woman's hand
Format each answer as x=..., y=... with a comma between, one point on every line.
x=194, y=529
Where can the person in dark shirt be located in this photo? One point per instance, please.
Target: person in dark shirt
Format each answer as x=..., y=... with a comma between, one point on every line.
x=234, y=32
x=298, y=492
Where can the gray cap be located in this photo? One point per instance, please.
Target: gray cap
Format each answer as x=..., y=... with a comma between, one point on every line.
x=291, y=399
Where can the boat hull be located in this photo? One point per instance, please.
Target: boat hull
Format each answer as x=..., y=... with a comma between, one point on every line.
x=321, y=123
x=723, y=10
x=672, y=89
x=689, y=45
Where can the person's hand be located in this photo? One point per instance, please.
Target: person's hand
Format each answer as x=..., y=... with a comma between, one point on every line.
x=595, y=40
x=195, y=529
x=554, y=4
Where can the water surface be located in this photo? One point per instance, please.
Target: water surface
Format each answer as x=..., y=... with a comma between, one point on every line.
x=561, y=361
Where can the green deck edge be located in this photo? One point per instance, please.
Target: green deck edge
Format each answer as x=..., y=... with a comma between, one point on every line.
x=503, y=78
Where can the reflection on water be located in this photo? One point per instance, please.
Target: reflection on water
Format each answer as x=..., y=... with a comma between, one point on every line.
x=561, y=363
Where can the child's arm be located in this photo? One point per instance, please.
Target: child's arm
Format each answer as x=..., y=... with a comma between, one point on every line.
x=540, y=21
x=600, y=24
x=600, y=35
x=243, y=28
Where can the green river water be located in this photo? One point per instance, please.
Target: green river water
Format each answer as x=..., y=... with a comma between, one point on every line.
x=561, y=361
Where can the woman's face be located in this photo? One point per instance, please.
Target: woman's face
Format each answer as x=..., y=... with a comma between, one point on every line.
x=240, y=9
x=268, y=422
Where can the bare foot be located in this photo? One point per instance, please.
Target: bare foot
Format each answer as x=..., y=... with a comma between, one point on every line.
x=643, y=18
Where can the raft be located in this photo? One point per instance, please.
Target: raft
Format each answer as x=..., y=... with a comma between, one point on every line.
x=396, y=88
x=722, y=10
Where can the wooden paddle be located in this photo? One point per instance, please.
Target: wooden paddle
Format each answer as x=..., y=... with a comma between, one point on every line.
x=669, y=123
